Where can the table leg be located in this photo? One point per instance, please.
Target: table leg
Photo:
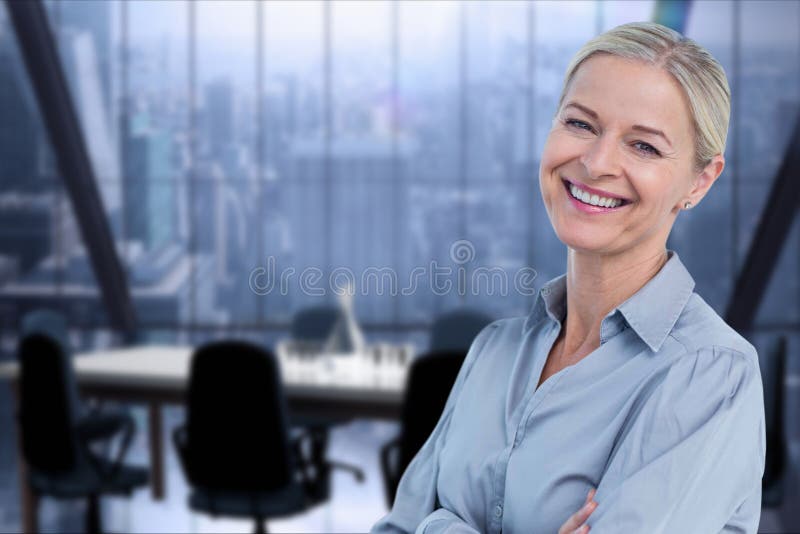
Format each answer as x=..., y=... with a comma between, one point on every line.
x=156, y=450
x=29, y=502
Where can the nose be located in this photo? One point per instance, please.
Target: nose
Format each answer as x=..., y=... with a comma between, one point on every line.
x=601, y=158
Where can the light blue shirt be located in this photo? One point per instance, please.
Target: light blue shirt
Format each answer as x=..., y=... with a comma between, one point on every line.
x=665, y=419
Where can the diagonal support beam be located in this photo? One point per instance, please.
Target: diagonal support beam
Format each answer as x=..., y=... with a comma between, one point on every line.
x=52, y=93
x=770, y=236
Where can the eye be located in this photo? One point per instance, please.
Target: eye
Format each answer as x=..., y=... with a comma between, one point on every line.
x=575, y=123
x=647, y=149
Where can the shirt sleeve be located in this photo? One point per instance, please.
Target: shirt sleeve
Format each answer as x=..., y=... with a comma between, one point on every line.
x=416, y=505
x=692, y=456
x=443, y=521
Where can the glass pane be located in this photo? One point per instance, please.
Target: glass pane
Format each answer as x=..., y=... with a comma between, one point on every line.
x=223, y=214
x=430, y=132
x=155, y=89
x=703, y=239
x=159, y=270
x=361, y=227
x=429, y=87
x=497, y=100
x=432, y=238
x=32, y=167
x=769, y=100
x=43, y=262
x=226, y=66
x=85, y=32
x=293, y=205
x=496, y=278
x=781, y=304
x=613, y=14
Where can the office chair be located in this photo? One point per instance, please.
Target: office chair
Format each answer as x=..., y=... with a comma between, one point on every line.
x=456, y=329
x=428, y=385
x=57, y=433
x=236, y=449
x=773, y=372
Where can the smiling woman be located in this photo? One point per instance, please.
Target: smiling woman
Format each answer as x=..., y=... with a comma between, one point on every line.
x=622, y=401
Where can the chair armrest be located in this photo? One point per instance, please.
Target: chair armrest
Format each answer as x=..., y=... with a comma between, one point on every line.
x=96, y=426
x=102, y=425
x=389, y=456
x=357, y=472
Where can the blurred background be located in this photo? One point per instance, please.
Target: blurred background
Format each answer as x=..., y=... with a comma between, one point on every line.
x=228, y=136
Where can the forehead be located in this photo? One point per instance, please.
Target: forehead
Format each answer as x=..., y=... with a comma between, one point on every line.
x=631, y=92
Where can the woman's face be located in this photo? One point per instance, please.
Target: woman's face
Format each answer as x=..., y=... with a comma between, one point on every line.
x=624, y=129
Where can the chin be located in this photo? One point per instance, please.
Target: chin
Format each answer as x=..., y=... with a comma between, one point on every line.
x=584, y=241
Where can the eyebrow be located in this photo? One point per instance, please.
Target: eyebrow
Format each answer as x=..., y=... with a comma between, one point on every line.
x=637, y=127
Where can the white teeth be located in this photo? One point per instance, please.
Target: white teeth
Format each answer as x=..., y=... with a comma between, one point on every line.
x=595, y=200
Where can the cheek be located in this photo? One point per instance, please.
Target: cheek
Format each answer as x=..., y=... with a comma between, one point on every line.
x=564, y=148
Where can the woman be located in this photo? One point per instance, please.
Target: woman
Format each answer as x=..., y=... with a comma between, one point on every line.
x=621, y=378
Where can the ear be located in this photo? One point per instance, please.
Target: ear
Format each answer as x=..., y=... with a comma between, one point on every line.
x=705, y=179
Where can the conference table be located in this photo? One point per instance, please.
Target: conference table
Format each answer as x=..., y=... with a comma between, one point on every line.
x=333, y=387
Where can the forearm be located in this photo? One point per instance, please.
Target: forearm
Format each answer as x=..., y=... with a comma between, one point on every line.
x=443, y=521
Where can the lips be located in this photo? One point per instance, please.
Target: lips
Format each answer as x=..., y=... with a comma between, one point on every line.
x=592, y=190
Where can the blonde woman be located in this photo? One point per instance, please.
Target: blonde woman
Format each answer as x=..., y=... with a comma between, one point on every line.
x=622, y=403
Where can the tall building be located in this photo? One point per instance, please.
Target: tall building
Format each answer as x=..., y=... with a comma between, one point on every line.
x=218, y=117
x=150, y=190
x=80, y=60
x=94, y=19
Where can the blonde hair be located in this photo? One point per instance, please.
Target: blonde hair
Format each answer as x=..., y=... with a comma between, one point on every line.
x=700, y=75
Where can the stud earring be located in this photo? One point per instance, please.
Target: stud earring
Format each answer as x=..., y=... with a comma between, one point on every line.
x=687, y=205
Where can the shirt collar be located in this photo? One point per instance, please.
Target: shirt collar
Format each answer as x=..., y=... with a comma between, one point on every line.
x=652, y=311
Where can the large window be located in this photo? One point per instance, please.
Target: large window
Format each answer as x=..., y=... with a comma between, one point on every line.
x=355, y=139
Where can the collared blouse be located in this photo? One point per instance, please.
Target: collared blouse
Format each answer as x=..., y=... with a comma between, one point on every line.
x=665, y=418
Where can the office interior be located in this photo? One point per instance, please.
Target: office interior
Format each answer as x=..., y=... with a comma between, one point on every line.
x=270, y=178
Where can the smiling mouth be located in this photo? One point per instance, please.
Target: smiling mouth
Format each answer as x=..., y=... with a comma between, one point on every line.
x=587, y=198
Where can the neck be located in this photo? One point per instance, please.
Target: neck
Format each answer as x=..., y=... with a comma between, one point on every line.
x=596, y=284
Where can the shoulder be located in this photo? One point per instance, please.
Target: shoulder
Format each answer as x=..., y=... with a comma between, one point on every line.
x=706, y=367
x=712, y=393
x=700, y=326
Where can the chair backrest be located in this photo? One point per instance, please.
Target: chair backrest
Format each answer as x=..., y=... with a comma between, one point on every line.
x=429, y=382
x=314, y=324
x=49, y=397
x=455, y=330
x=773, y=372
x=237, y=437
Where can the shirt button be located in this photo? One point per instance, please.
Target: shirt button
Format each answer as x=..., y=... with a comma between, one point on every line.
x=545, y=291
x=498, y=510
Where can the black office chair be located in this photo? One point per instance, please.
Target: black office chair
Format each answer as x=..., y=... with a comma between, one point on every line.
x=235, y=448
x=456, y=329
x=773, y=373
x=58, y=434
x=428, y=385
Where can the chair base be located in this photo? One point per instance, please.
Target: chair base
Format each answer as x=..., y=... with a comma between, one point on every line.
x=93, y=521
